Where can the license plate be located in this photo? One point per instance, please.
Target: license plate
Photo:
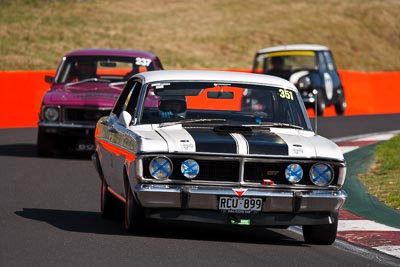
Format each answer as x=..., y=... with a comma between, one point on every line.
x=85, y=147
x=240, y=204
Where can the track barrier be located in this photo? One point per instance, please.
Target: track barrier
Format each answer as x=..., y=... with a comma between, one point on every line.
x=366, y=93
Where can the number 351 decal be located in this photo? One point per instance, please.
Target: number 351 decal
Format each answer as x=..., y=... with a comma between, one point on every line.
x=141, y=61
x=284, y=93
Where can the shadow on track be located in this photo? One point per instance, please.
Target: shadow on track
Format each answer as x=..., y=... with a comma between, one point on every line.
x=91, y=222
x=18, y=150
x=29, y=150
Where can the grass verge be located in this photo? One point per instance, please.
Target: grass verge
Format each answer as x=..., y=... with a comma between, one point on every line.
x=363, y=35
x=382, y=179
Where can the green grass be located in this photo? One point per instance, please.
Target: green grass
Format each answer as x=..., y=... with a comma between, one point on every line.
x=363, y=35
x=383, y=178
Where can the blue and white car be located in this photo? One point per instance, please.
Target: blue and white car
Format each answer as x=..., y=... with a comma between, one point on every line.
x=218, y=147
x=311, y=68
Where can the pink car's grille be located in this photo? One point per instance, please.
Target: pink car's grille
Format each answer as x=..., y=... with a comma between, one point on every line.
x=84, y=115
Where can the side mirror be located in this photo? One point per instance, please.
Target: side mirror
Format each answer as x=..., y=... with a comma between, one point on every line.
x=125, y=119
x=48, y=79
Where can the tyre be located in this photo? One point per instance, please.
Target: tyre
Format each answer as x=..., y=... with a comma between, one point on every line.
x=321, y=105
x=134, y=213
x=108, y=202
x=45, y=144
x=320, y=234
x=340, y=105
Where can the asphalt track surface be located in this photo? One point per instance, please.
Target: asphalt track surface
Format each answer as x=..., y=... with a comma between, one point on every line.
x=49, y=216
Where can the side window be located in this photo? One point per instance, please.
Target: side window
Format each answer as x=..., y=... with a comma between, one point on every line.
x=123, y=101
x=260, y=64
x=158, y=63
x=125, y=105
x=133, y=99
x=322, y=63
x=329, y=61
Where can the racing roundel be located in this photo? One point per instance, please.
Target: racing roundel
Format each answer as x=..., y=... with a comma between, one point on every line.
x=190, y=168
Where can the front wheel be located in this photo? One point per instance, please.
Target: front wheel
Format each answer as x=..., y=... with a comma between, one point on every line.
x=340, y=105
x=321, y=105
x=45, y=144
x=320, y=234
x=134, y=214
x=108, y=202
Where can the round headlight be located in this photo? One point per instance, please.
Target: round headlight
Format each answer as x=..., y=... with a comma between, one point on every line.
x=321, y=174
x=190, y=168
x=51, y=114
x=294, y=173
x=160, y=168
x=304, y=82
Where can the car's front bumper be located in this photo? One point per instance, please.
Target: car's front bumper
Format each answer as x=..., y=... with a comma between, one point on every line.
x=67, y=129
x=75, y=137
x=280, y=206
x=308, y=97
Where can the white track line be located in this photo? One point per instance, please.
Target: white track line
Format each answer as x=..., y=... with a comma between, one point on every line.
x=363, y=225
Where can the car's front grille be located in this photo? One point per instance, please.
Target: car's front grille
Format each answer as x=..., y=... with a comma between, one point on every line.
x=223, y=171
x=210, y=170
x=84, y=115
x=256, y=172
x=231, y=169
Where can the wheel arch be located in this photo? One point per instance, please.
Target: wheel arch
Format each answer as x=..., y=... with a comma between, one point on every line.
x=97, y=165
x=129, y=178
x=129, y=181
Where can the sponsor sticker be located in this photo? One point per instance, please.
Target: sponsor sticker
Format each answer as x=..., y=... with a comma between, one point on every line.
x=241, y=222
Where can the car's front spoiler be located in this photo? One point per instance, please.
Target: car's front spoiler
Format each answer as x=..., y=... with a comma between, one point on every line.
x=49, y=125
x=64, y=129
x=296, y=204
x=260, y=219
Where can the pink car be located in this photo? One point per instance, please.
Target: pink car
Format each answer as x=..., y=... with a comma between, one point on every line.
x=85, y=88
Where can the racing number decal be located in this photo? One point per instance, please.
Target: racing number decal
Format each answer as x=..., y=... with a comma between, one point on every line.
x=284, y=93
x=141, y=61
x=328, y=85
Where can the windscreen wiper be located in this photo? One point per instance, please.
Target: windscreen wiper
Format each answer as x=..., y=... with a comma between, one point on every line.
x=164, y=124
x=96, y=80
x=278, y=125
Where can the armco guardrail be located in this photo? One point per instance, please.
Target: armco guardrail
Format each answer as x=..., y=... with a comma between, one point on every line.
x=366, y=93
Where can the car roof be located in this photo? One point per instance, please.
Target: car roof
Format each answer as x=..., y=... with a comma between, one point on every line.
x=110, y=52
x=220, y=76
x=291, y=47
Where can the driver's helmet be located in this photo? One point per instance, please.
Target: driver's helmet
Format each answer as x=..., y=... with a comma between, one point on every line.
x=277, y=63
x=172, y=106
x=86, y=69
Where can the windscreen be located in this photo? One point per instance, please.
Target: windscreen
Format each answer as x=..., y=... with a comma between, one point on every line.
x=236, y=103
x=107, y=68
x=289, y=61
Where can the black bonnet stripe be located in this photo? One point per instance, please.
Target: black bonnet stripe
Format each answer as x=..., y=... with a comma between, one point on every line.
x=210, y=141
x=258, y=143
x=266, y=143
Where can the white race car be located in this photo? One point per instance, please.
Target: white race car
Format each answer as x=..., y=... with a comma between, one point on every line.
x=218, y=147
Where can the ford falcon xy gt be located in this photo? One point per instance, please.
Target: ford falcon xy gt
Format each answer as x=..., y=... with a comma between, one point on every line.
x=218, y=147
x=86, y=85
x=311, y=68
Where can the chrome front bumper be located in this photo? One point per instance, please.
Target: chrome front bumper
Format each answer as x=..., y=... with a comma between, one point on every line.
x=66, y=125
x=68, y=129
x=200, y=203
